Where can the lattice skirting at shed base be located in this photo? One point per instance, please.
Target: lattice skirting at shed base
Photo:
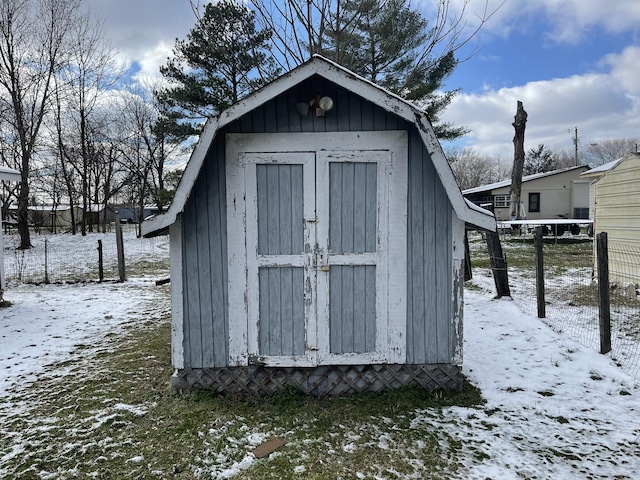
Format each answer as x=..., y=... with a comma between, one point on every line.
x=319, y=381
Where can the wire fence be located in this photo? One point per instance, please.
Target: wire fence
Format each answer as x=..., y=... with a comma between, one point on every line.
x=59, y=258
x=572, y=297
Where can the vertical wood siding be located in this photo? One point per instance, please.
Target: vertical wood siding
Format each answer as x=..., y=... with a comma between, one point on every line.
x=281, y=311
x=352, y=229
x=205, y=267
x=352, y=202
x=352, y=308
x=280, y=232
x=429, y=283
x=280, y=218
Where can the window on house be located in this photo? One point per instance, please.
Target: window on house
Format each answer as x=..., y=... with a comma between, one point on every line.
x=582, y=212
x=534, y=202
x=501, y=201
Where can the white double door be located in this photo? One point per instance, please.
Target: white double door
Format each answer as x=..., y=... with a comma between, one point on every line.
x=317, y=248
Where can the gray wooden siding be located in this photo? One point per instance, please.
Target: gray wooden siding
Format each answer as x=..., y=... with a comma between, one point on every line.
x=429, y=289
x=280, y=216
x=205, y=268
x=428, y=237
x=352, y=309
x=352, y=203
x=280, y=232
x=281, y=329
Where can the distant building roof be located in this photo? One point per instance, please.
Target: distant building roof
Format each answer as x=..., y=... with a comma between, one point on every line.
x=7, y=173
x=44, y=208
x=526, y=178
x=601, y=169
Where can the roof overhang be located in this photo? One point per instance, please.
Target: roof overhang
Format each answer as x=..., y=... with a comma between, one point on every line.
x=349, y=81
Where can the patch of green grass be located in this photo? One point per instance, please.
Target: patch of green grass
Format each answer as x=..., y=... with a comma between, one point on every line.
x=148, y=267
x=5, y=303
x=562, y=252
x=115, y=416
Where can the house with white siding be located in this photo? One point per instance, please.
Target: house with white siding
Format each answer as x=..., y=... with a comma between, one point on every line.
x=317, y=241
x=557, y=194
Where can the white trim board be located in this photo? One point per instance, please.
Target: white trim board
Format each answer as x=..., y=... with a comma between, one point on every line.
x=389, y=150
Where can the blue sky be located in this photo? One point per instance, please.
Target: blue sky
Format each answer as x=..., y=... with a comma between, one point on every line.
x=573, y=63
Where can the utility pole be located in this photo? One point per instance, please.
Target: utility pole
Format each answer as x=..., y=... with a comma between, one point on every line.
x=575, y=144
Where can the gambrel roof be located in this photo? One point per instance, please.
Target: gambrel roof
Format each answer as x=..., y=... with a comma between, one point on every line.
x=349, y=81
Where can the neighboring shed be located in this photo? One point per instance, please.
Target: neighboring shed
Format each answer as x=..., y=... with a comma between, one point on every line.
x=591, y=176
x=54, y=218
x=317, y=240
x=549, y=195
x=617, y=212
x=7, y=175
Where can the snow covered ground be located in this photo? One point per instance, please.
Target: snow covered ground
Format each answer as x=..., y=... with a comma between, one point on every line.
x=554, y=408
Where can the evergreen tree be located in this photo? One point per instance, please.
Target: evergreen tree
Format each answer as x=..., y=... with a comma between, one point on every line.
x=384, y=41
x=539, y=160
x=223, y=58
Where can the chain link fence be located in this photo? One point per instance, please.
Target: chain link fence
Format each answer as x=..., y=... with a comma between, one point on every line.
x=572, y=299
x=571, y=290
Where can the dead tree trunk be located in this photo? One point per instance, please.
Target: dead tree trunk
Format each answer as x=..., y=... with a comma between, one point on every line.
x=519, y=124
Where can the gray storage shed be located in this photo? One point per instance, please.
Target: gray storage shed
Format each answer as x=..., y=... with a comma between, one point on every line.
x=317, y=241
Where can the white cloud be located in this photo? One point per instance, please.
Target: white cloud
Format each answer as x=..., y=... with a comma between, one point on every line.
x=144, y=31
x=624, y=68
x=571, y=19
x=151, y=61
x=568, y=21
x=600, y=105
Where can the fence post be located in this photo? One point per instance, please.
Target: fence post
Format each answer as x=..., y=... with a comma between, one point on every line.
x=603, y=292
x=537, y=242
x=498, y=264
x=120, y=248
x=468, y=273
x=46, y=262
x=100, y=262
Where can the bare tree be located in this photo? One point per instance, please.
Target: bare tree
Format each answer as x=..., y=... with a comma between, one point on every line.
x=303, y=27
x=150, y=147
x=519, y=125
x=389, y=42
x=33, y=49
x=91, y=71
x=607, y=150
x=472, y=169
x=62, y=151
